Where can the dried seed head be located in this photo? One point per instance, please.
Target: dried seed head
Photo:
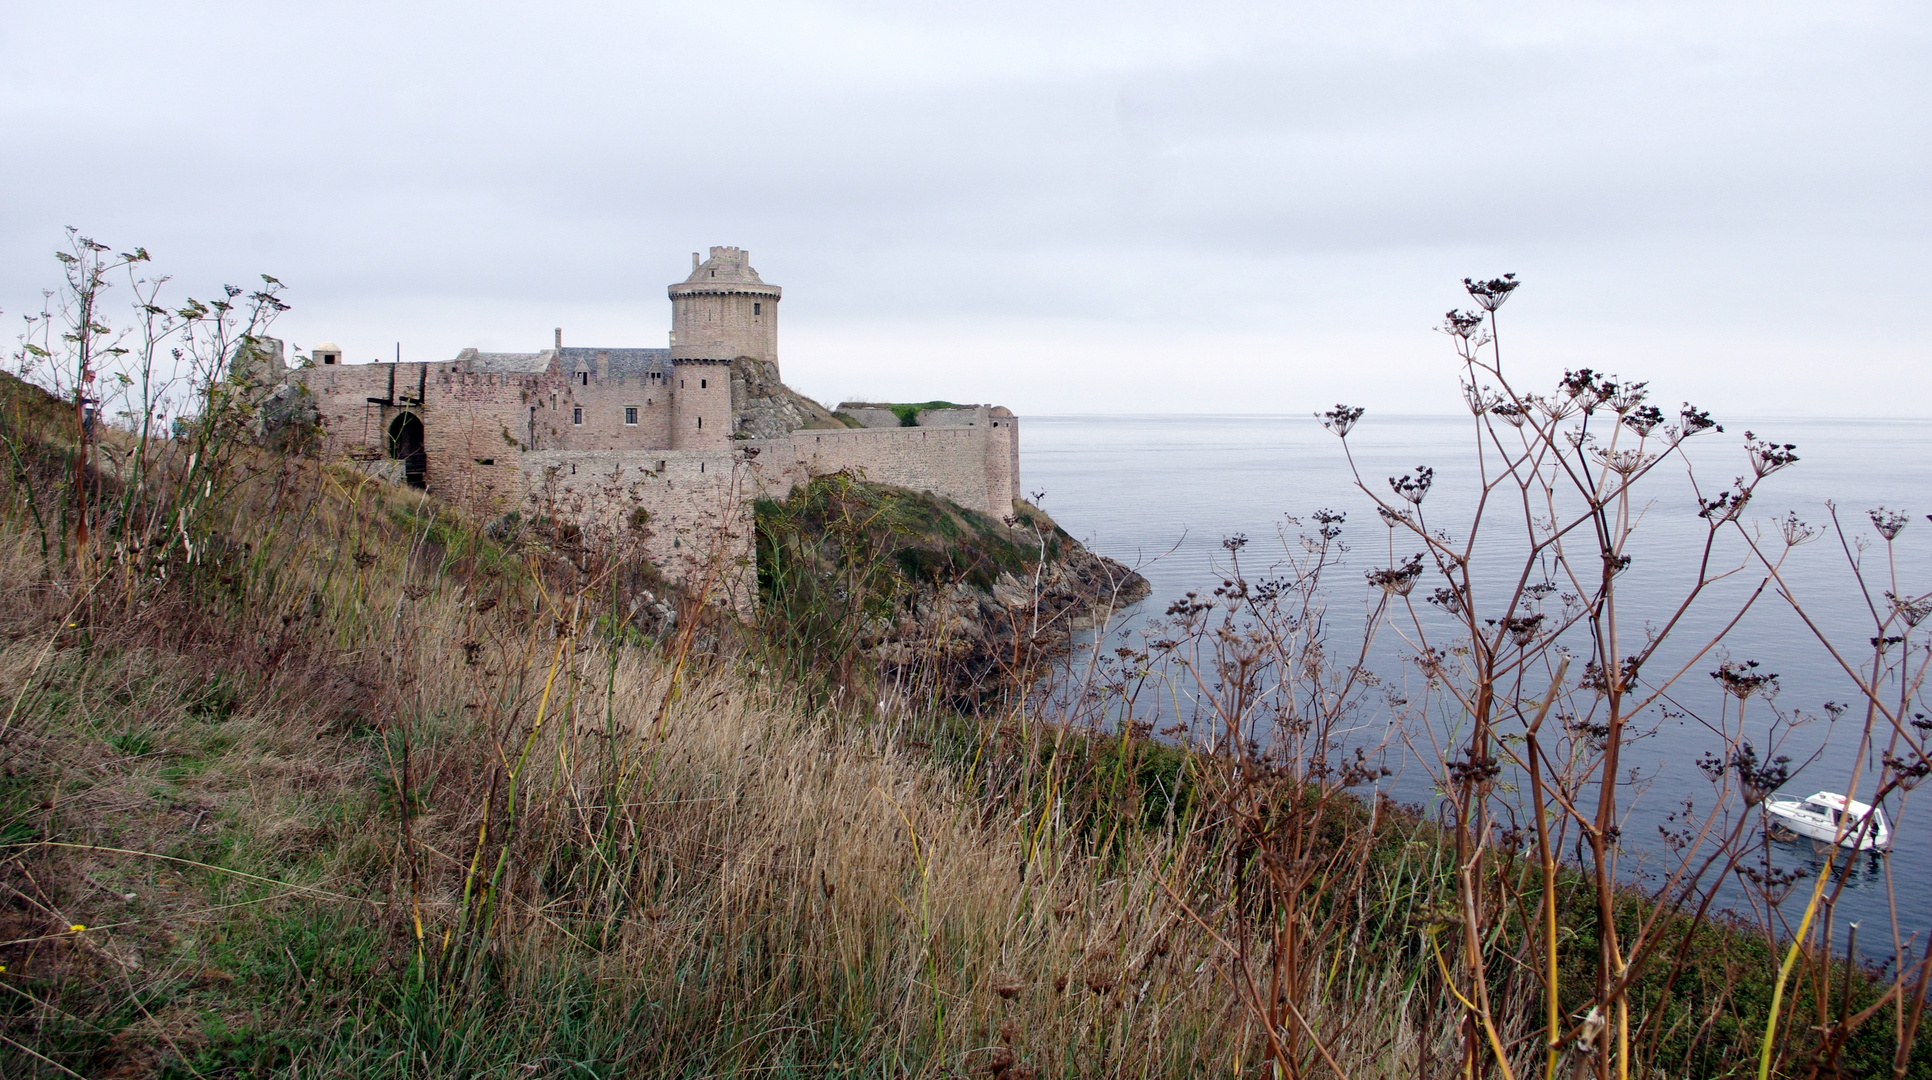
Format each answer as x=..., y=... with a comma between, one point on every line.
x=1341, y=419
x=1490, y=295
x=1889, y=523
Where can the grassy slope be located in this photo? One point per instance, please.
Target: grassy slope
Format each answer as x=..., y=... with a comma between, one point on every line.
x=920, y=536
x=364, y=792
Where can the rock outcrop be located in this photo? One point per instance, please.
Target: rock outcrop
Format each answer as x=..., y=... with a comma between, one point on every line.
x=767, y=408
x=282, y=412
x=984, y=640
x=930, y=591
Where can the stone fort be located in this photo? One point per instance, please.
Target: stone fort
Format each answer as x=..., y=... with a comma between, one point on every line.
x=672, y=444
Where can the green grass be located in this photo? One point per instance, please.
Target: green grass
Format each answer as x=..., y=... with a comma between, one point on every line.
x=907, y=411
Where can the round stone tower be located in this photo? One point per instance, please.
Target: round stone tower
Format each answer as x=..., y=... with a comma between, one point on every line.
x=721, y=312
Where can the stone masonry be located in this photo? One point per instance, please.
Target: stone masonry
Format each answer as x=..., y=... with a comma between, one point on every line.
x=672, y=443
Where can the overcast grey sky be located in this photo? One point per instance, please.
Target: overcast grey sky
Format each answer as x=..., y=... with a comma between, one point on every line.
x=1081, y=207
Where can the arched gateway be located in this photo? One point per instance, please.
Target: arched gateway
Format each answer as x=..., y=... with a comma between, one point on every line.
x=406, y=446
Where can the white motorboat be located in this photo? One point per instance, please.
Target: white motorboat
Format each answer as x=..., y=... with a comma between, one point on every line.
x=1830, y=817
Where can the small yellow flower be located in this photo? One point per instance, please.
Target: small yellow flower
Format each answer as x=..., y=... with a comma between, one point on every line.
x=77, y=928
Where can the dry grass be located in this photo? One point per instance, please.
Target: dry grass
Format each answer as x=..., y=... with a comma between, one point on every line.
x=414, y=813
x=350, y=788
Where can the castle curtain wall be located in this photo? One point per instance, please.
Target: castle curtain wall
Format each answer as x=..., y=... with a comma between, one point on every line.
x=695, y=521
x=688, y=512
x=949, y=461
x=342, y=393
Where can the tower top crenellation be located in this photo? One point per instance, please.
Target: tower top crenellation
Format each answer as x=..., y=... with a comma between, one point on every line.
x=727, y=266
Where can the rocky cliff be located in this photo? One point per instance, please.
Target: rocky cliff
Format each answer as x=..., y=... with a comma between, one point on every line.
x=929, y=590
x=767, y=408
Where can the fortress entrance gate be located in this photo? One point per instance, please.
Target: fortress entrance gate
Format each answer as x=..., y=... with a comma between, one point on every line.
x=406, y=446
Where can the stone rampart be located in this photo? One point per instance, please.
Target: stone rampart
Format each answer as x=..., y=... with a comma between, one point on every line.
x=598, y=415
x=688, y=512
x=965, y=464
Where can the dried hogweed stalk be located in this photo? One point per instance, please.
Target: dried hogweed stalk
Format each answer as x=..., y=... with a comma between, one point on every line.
x=1623, y=462
x=1795, y=530
x=1644, y=419
x=1692, y=420
x=1910, y=610
x=1741, y=680
x=1414, y=487
x=1397, y=580
x=1769, y=457
x=1341, y=419
x=1489, y=295
x=1889, y=523
x=1479, y=399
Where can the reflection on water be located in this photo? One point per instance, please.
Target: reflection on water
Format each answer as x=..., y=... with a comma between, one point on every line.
x=1163, y=492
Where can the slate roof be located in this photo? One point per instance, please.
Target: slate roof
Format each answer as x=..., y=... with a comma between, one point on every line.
x=504, y=363
x=623, y=362
x=728, y=270
x=726, y=266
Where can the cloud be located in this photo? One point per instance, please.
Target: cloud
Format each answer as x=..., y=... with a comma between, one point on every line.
x=1055, y=206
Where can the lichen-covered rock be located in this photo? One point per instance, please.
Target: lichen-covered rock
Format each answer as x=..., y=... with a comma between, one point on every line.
x=767, y=408
x=975, y=636
x=257, y=363
x=281, y=411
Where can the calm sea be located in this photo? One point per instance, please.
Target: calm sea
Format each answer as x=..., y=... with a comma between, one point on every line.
x=1162, y=492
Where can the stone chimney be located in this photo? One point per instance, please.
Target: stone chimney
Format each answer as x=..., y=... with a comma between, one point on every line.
x=559, y=339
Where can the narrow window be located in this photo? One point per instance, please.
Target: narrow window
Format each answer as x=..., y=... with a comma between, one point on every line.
x=702, y=384
x=577, y=415
x=583, y=378
x=757, y=308
x=700, y=423
x=630, y=414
